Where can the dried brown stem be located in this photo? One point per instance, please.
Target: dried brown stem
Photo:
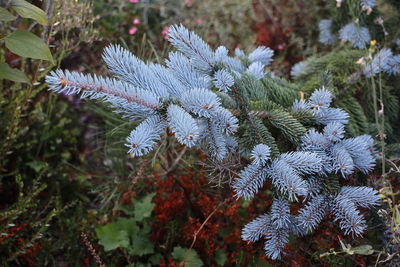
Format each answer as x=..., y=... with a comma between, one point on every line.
x=91, y=249
x=207, y=219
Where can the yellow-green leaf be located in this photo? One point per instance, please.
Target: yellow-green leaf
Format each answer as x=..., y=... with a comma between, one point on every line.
x=26, y=44
x=5, y=15
x=15, y=75
x=363, y=250
x=27, y=10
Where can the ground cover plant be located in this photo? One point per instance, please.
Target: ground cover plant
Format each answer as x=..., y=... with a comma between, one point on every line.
x=34, y=167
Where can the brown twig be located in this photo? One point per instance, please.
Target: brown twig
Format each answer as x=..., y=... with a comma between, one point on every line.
x=202, y=226
x=177, y=160
x=174, y=164
x=207, y=219
x=138, y=175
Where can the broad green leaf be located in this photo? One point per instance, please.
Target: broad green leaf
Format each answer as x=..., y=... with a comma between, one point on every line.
x=5, y=15
x=112, y=238
x=144, y=207
x=141, y=245
x=15, y=75
x=128, y=225
x=188, y=256
x=27, y=10
x=220, y=257
x=26, y=44
x=116, y=234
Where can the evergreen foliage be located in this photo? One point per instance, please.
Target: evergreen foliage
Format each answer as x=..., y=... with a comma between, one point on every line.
x=145, y=136
x=364, y=76
x=325, y=32
x=228, y=105
x=322, y=155
x=354, y=84
x=358, y=36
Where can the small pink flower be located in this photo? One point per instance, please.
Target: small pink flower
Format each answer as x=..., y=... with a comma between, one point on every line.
x=188, y=2
x=198, y=21
x=134, y=1
x=136, y=21
x=281, y=46
x=133, y=30
x=165, y=32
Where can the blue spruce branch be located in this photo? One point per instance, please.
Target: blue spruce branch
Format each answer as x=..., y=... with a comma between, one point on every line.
x=195, y=96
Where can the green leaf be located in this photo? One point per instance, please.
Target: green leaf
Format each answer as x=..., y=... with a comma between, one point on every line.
x=26, y=44
x=128, y=210
x=220, y=257
x=128, y=225
x=146, y=229
x=27, y=10
x=362, y=250
x=188, y=256
x=141, y=245
x=5, y=15
x=112, y=238
x=144, y=207
x=396, y=215
x=116, y=234
x=155, y=259
x=37, y=165
x=8, y=73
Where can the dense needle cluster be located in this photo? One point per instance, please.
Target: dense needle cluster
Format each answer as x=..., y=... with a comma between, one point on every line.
x=383, y=61
x=307, y=174
x=184, y=97
x=325, y=32
x=179, y=96
x=359, y=36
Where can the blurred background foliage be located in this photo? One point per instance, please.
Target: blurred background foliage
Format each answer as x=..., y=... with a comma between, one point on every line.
x=71, y=196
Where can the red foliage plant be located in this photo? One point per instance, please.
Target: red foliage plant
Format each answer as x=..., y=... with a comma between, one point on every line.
x=184, y=203
x=17, y=238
